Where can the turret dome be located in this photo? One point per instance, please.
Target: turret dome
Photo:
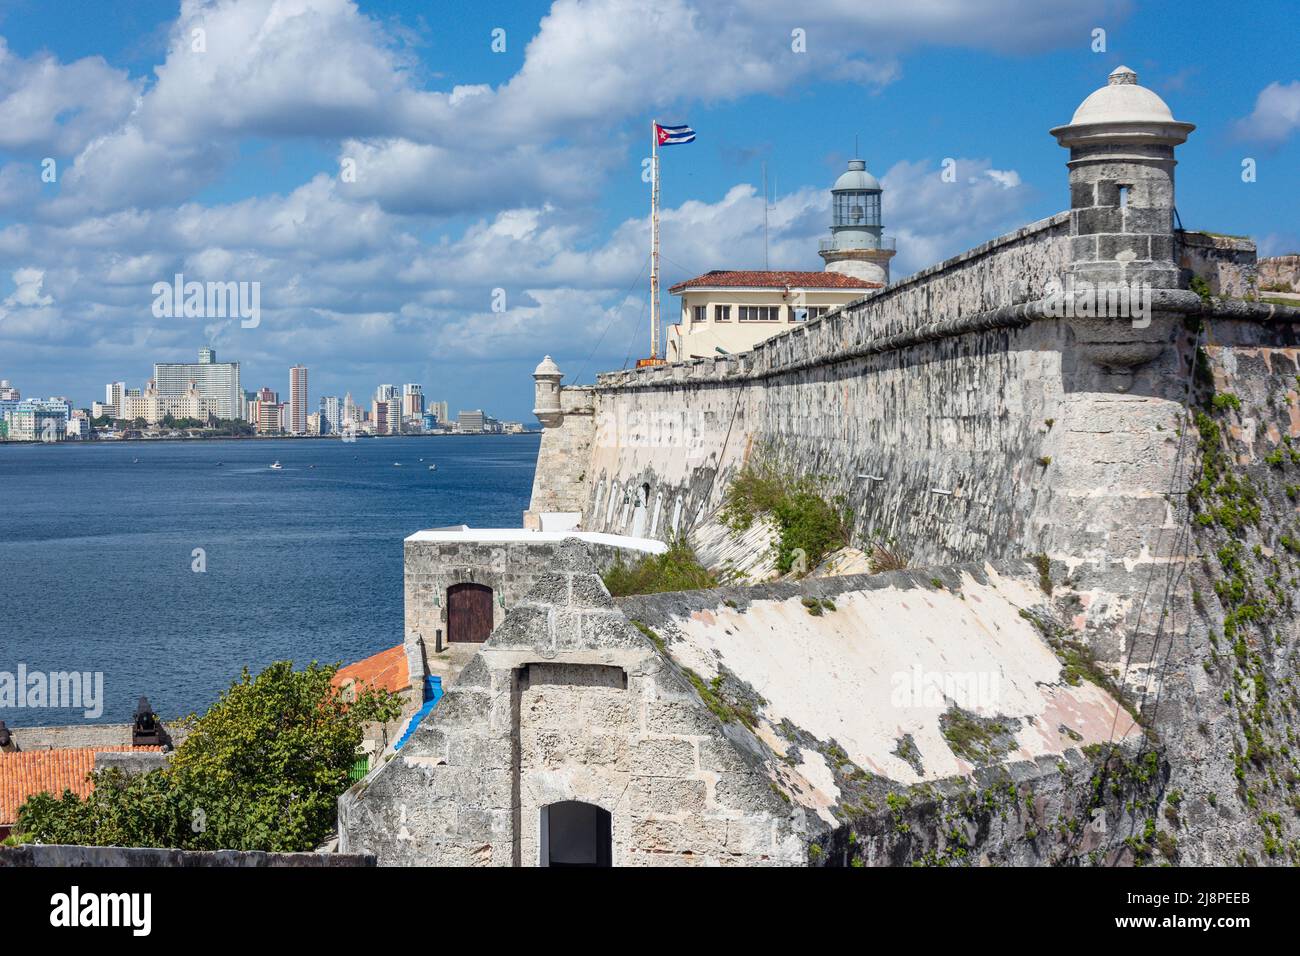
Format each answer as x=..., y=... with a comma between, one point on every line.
x=1122, y=111
x=1121, y=100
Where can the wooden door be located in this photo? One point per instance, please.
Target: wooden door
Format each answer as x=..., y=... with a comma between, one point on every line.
x=469, y=613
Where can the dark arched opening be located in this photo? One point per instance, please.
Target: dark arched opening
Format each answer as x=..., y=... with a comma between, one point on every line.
x=576, y=834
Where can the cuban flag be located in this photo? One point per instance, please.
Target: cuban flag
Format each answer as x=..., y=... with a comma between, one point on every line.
x=673, y=135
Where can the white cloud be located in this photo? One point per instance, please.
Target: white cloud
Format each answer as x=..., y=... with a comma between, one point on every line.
x=27, y=289
x=369, y=270
x=53, y=109
x=1276, y=115
x=933, y=218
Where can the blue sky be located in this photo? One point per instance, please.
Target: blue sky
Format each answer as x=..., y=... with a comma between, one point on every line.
x=520, y=170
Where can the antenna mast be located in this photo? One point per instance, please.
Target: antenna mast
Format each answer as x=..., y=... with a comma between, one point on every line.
x=654, y=242
x=765, y=265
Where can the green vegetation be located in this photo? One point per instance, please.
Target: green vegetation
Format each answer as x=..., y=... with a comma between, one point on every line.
x=977, y=739
x=650, y=632
x=1201, y=288
x=809, y=526
x=816, y=606
x=261, y=770
x=1044, y=565
x=677, y=569
x=725, y=710
x=1219, y=496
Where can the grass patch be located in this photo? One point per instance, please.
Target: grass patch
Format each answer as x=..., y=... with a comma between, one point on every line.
x=977, y=739
x=677, y=569
x=886, y=556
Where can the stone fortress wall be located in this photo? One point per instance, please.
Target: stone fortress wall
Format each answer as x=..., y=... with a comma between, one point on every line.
x=963, y=414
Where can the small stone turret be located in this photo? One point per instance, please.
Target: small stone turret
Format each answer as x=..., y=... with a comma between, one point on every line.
x=546, y=392
x=1121, y=143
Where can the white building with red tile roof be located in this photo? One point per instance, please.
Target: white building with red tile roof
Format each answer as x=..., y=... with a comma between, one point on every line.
x=728, y=311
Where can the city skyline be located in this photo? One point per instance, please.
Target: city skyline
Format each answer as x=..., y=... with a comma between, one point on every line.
x=463, y=207
x=211, y=390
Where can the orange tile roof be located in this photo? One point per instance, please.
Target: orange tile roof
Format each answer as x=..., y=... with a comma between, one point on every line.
x=739, y=278
x=386, y=670
x=30, y=772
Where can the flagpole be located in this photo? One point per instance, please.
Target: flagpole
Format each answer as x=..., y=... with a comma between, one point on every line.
x=654, y=241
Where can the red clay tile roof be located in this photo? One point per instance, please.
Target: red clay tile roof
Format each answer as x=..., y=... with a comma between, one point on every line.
x=775, y=280
x=386, y=670
x=30, y=772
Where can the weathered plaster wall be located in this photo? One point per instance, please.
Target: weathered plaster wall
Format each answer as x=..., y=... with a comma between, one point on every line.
x=1227, y=263
x=853, y=684
x=1276, y=271
x=534, y=719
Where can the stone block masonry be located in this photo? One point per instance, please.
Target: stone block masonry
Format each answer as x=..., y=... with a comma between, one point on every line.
x=569, y=702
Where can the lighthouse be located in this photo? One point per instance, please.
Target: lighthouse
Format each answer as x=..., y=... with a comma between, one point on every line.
x=857, y=246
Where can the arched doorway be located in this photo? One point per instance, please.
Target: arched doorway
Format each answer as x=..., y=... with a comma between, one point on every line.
x=639, y=515
x=469, y=613
x=576, y=834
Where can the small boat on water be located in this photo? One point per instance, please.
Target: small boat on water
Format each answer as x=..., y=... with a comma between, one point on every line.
x=220, y=463
x=433, y=467
x=276, y=466
x=135, y=461
x=397, y=464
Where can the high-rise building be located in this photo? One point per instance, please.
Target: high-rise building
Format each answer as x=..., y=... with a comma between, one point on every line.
x=331, y=415
x=441, y=411
x=298, y=400
x=8, y=393
x=379, y=417
x=412, y=400
x=265, y=412
x=218, y=382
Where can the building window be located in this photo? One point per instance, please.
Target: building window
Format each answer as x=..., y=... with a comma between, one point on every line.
x=760, y=313
x=802, y=313
x=722, y=313
x=701, y=313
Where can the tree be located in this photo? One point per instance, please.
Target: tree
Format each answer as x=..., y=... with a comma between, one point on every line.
x=261, y=770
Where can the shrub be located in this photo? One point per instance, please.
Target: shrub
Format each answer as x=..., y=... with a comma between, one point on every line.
x=677, y=569
x=807, y=523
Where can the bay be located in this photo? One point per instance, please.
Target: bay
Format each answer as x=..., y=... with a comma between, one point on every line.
x=98, y=540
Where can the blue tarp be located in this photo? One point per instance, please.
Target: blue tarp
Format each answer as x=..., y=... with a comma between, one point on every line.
x=432, y=694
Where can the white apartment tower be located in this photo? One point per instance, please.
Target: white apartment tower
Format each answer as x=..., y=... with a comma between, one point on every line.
x=218, y=382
